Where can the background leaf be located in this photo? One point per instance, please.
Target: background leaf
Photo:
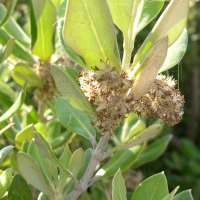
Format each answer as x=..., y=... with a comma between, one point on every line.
x=19, y=189
x=4, y=152
x=118, y=187
x=90, y=34
x=43, y=46
x=5, y=179
x=185, y=195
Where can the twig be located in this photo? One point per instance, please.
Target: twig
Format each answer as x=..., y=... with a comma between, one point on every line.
x=6, y=128
x=41, y=108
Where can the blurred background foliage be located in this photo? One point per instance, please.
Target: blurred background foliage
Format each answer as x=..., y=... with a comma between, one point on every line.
x=181, y=160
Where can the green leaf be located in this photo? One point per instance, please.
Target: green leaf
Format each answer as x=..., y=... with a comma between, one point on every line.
x=13, y=161
x=70, y=89
x=89, y=32
x=185, y=195
x=75, y=120
x=32, y=173
x=19, y=51
x=75, y=57
x=154, y=187
x=74, y=74
x=52, y=168
x=5, y=179
x=7, y=50
x=7, y=95
x=172, y=23
x=42, y=197
x=13, y=29
x=175, y=52
x=76, y=162
x=122, y=159
x=9, y=12
x=153, y=151
x=118, y=187
x=19, y=189
x=25, y=146
x=41, y=128
x=46, y=150
x=137, y=139
x=16, y=106
x=127, y=14
x=43, y=46
x=157, y=53
x=65, y=160
x=37, y=155
x=22, y=72
x=3, y=152
x=170, y=196
x=24, y=134
x=56, y=3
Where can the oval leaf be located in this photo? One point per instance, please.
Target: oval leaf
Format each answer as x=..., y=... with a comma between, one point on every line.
x=4, y=152
x=90, y=34
x=5, y=179
x=70, y=89
x=24, y=134
x=154, y=187
x=32, y=173
x=22, y=72
x=76, y=162
x=175, y=52
x=16, y=191
x=172, y=23
x=185, y=195
x=118, y=187
x=75, y=120
x=43, y=46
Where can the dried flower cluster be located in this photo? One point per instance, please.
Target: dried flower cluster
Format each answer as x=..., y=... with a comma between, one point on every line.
x=50, y=90
x=161, y=101
x=109, y=91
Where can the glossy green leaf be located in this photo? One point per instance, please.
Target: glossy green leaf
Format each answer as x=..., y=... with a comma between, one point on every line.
x=75, y=120
x=172, y=23
x=7, y=95
x=3, y=152
x=65, y=160
x=43, y=46
x=122, y=159
x=157, y=53
x=22, y=72
x=89, y=32
x=118, y=187
x=25, y=134
x=137, y=139
x=170, y=196
x=52, y=168
x=76, y=162
x=70, y=89
x=175, y=52
x=9, y=12
x=154, y=187
x=37, y=155
x=7, y=50
x=74, y=56
x=133, y=14
x=19, y=189
x=14, y=29
x=5, y=179
x=153, y=151
x=185, y=195
x=19, y=51
x=137, y=127
x=16, y=106
x=47, y=152
x=32, y=173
